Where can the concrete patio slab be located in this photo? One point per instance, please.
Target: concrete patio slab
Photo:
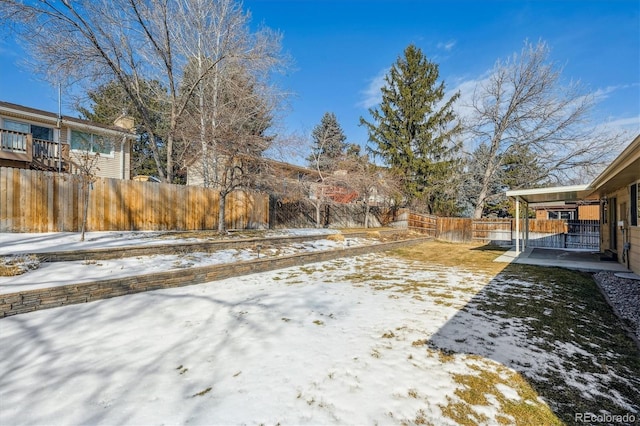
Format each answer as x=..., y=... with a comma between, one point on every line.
x=569, y=259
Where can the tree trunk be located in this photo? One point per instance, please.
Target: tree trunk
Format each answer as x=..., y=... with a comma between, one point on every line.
x=221, y=216
x=85, y=207
x=366, y=215
x=318, y=211
x=492, y=166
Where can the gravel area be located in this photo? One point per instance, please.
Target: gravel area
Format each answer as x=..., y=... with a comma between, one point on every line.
x=624, y=296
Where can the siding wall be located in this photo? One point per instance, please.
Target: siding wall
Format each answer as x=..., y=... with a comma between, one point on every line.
x=622, y=198
x=110, y=165
x=634, y=253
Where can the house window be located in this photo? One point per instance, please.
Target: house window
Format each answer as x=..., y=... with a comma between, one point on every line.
x=635, y=204
x=82, y=141
x=38, y=132
x=42, y=133
x=16, y=126
x=562, y=214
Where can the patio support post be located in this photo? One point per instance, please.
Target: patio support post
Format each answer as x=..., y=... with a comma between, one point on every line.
x=526, y=226
x=517, y=226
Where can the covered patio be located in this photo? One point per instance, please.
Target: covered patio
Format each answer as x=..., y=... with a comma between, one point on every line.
x=586, y=260
x=546, y=196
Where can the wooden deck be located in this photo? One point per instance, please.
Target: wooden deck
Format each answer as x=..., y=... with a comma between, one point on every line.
x=21, y=150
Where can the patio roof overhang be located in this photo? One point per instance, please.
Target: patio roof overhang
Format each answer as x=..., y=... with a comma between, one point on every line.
x=624, y=170
x=553, y=194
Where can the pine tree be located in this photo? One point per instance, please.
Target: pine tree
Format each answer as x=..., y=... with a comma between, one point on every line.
x=328, y=143
x=413, y=130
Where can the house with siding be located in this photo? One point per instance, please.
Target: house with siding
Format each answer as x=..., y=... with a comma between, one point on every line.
x=618, y=189
x=36, y=139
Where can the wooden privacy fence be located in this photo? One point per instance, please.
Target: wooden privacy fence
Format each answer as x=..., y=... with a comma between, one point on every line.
x=37, y=201
x=542, y=233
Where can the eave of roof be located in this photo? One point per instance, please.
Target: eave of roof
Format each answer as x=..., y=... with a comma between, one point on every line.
x=624, y=170
x=50, y=117
x=557, y=193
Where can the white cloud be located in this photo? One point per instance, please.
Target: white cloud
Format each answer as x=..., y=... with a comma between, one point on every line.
x=601, y=94
x=372, y=95
x=466, y=88
x=446, y=45
x=631, y=123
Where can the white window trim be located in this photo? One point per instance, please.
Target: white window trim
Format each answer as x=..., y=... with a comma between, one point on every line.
x=111, y=154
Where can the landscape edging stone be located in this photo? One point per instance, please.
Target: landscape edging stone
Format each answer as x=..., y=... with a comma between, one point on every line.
x=52, y=297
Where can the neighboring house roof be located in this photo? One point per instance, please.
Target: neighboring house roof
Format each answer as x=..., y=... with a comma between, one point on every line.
x=42, y=116
x=624, y=170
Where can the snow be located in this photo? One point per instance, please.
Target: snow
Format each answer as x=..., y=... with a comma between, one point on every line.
x=20, y=243
x=356, y=340
x=74, y=272
x=295, y=346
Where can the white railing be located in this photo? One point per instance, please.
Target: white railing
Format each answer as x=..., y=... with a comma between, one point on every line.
x=13, y=141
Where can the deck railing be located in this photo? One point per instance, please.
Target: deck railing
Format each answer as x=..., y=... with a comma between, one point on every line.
x=13, y=141
x=15, y=146
x=19, y=146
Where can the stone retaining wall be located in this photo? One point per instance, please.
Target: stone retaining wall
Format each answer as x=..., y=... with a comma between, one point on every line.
x=179, y=248
x=28, y=301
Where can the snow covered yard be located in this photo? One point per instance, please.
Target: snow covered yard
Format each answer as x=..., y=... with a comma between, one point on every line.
x=421, y=336
x=45, y=275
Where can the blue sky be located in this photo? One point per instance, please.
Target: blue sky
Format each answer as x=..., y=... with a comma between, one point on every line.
x=342, y=48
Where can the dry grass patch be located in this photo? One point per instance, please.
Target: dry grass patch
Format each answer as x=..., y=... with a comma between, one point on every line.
x=336, y=237
x=516, y=400
x=11, y=266
x=475, y=257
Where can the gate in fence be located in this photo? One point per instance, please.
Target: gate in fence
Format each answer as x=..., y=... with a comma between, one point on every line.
x=575, y=234
x=583, y=234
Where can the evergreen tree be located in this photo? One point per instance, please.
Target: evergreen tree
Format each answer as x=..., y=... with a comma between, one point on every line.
x=110, y=101
x=413, y=130
x=328, y=143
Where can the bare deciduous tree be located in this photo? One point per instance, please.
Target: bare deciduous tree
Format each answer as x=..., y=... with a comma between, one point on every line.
x=85, y=164
x=133, y=42
x=523, y=106
x=318, y=186
x=228, y=154
x=372, y=183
